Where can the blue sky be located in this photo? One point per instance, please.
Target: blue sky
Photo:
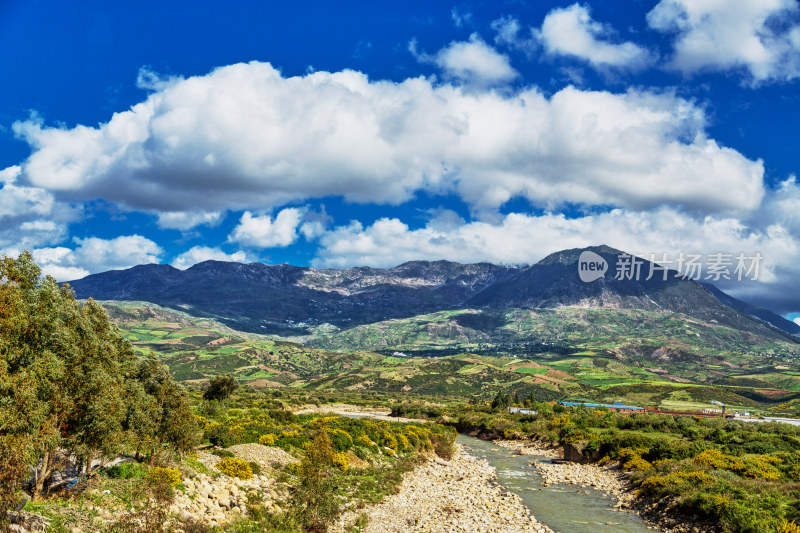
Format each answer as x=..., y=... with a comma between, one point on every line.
x=363, y=133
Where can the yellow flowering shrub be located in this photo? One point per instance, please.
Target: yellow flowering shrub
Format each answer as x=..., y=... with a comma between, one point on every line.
x=677, y=478
x=267, y=440
x=389, y=441
x=341, y=439
x=761, y=467
x=340, y=461
x=363, y=440
x=170, y=475
x=403, y=442
x=788, y=527
x=637, y=463
x=559, y=422
x=234, y=467
x=718, y=460
x=755, y=466
x=211, y=426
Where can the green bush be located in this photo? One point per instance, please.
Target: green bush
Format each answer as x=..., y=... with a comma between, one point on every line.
x=126, y=471
x=255, y=468
x=222, y=453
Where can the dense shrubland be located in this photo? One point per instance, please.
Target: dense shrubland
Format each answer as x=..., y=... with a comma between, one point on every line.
x=293, y=433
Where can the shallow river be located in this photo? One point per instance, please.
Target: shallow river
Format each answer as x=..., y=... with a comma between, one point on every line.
x=561, y=507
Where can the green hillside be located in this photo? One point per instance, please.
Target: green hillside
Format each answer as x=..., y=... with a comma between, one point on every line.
x=520, y=330
x=639, y=357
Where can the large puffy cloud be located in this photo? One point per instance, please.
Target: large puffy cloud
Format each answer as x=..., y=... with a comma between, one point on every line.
x=759, y=36
x=93, y=255
x=245, y=137
x=198, y=254
x=525, y=239
x=572, y=31
x=266, y=232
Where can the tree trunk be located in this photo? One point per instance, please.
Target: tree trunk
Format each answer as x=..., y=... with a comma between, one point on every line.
x=44, y=474
x=89, y=459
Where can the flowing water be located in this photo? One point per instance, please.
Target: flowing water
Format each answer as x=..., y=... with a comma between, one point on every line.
x=563, y=508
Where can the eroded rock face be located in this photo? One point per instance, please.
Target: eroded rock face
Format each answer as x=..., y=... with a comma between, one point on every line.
x=575, y=452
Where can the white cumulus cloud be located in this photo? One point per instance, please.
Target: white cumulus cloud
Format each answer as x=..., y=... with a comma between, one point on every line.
x=572, y=31
x=93, y=254
x=757, y=36
x=186, y=220
x=525, y=239
x=245, y=137
x=266, y=232
x=31, y=216
x=198, y=254
x=10, y=174
x=473, y=62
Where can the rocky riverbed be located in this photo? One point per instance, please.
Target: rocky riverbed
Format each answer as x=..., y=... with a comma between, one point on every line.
x=609, y=480
x=444, y=496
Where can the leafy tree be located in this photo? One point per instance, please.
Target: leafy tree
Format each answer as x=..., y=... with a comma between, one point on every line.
x=63, y=369
x=159, y=413
x=315, y=498
x=70, y=381
x=220, y=387
x=502, y=401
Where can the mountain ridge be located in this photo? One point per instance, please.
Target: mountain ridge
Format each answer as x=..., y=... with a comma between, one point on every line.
x=285, y=299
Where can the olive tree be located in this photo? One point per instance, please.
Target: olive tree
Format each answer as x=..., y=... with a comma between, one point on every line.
x=220, y=387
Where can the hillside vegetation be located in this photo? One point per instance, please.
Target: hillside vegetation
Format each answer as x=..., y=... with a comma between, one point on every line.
x=621, y=364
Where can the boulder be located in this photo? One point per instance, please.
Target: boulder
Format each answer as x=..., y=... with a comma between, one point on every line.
x=576, y=452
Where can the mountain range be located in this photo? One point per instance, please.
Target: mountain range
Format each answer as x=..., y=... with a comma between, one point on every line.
x=290, y=300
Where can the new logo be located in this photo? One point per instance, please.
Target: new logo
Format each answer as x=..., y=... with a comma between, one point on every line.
x=591, y=266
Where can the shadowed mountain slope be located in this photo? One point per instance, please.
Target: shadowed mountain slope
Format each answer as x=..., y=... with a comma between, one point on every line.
x=285, y=299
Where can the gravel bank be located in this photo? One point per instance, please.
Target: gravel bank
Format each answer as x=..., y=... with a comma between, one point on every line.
x=529, y=447
x=445, y=496
x=341, y=409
